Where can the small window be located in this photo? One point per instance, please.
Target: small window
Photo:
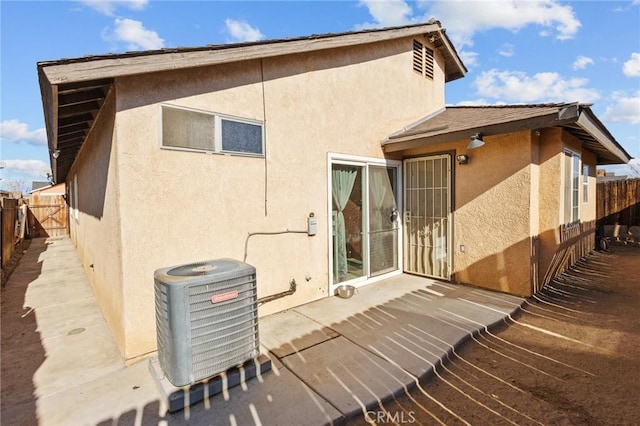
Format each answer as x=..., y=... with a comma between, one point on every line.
x=182, y=128
x=422, y=59
x=571, y=182
x=585, y=184
x=239, y=136
x=204, y=131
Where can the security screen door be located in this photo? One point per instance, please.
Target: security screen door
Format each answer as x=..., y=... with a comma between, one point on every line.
x=364, y=220
x=427, y=208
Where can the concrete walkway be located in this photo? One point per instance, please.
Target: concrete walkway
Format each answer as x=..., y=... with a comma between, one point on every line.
x=330, y=359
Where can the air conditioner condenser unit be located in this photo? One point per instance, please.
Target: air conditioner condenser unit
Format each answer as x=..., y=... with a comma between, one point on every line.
x=206, y=318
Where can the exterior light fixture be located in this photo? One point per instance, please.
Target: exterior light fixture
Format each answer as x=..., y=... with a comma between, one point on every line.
x=56, y=153
x=476, y=141
x=462, y=158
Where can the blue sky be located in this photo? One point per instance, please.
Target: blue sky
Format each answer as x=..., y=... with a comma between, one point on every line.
x=516, y=52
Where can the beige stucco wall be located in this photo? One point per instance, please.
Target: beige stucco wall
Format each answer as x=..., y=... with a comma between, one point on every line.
x=491, y=221
x=59, y=189
x=554, y=245
x=508, y=210
x=174, y=207
x=97, y=230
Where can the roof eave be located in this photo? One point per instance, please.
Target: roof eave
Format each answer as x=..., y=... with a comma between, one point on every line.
x=440, y=134
x=113, y=66
x=568, y=116
x=590, y=124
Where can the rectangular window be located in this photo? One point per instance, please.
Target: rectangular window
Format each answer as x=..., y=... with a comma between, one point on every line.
x=585, y=184
x=241, y=136
x=209, y=132
x=571, y=186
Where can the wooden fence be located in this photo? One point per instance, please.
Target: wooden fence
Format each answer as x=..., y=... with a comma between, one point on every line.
x=618, y=202
x=9, y=218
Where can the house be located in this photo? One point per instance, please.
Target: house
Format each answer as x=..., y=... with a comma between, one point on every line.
x=37, y=184
x=319, y=160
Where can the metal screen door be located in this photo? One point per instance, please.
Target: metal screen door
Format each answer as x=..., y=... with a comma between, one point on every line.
x=427, y=209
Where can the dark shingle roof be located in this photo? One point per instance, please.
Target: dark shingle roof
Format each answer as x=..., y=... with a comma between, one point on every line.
x=460, y=122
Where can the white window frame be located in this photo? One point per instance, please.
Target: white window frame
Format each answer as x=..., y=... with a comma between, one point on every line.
x=585, y=183
x=568, y=188
x=217, y=130
x=75, y=197
x=365, y=162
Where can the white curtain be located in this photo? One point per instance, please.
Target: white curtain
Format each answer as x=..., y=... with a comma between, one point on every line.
x=379, y=186
x=341, y=186
x=382, y=204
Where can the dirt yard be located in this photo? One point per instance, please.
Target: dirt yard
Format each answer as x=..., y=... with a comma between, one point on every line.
x=571, y=357
x=20, y=248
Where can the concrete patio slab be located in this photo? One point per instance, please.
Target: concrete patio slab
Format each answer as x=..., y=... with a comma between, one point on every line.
x=330, y=358
x=348, y=376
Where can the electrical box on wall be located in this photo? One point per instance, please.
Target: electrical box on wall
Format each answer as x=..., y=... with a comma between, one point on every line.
x=312, y=225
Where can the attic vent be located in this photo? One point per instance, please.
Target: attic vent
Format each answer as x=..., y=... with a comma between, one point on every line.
x=422, y=59
x=418, y=58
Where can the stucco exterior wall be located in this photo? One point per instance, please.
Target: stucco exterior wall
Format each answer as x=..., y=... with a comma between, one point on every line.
x=560, y=248
x=179, y=207
x=97, y=230
x=508, y=210
x=491, y=218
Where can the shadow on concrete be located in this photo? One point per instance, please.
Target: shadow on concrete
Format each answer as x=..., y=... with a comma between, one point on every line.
x=20, y=336
x=349, y=366
x=564, y=358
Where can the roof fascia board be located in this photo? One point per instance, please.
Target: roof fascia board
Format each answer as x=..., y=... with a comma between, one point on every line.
x=120, y=66
x=595, y=130
x=49, y=95
x=454, y=54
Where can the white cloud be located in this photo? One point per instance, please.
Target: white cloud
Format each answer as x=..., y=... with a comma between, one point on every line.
x=16, y=131
x=469, y=59
x=18, y=174
x=389, y=13
x=108, y=7
x=506, y=50
x=631, y=68
x=476, y=102
x=135, y=35
x=242, y=31
x=626, y=109
x=464, y=19
x=519, y=87
x=581, y=62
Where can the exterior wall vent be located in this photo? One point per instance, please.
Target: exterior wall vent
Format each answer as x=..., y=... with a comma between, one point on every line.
x=206, y=318
x=422, y=59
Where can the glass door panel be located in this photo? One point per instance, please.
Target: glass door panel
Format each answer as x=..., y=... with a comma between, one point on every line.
x=383, y=224
x=347, y=185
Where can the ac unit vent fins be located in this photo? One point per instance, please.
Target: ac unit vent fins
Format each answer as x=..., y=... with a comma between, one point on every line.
x=206, y=318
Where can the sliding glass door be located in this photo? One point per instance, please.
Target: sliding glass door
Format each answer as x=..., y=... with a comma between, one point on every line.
x=364, y=213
